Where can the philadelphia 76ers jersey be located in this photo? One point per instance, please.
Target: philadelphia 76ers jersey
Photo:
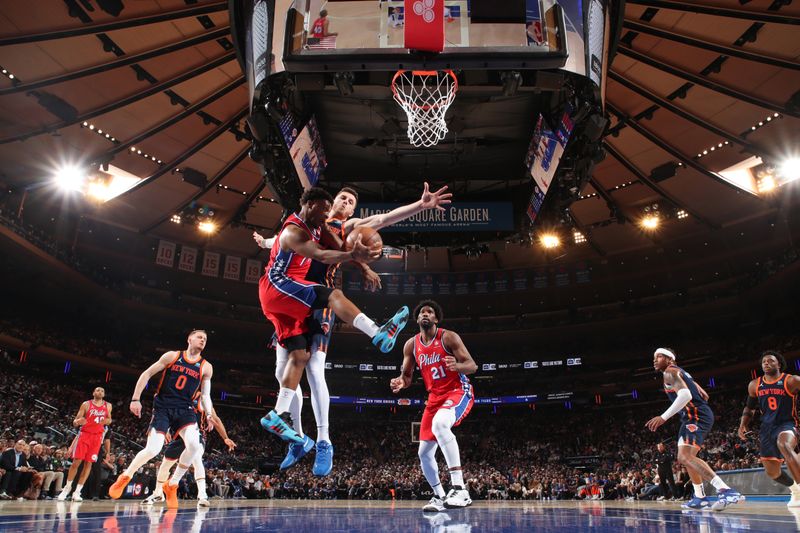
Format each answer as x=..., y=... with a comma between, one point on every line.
x=430, y=360
x=288, y=265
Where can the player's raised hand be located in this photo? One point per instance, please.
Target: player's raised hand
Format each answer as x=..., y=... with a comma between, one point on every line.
x=435, y=199
x=363, y=254
x=136, y=408
x=451, y=363
x=655, y=423
x=230, y=444
x=260, y=240
x=372, y=280
x=396, y=385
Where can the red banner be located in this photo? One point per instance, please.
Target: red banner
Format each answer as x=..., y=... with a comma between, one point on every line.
x=424, y=25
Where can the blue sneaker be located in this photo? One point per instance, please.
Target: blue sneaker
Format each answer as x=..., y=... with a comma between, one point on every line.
x=698, y=504
x=323, y=463
x=297, y=452
x=726, y=497
x=387, y=335
x=281, y=425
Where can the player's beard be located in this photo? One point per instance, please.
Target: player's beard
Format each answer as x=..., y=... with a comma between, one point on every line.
x=427, y=326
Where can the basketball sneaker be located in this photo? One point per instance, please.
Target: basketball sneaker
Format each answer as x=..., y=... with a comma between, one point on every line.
x=434, y=506
x=76, y=496
x=202, y=500
x=297, y=452
x=62, y=496
x=726, y=497
x=156, y=497
x=323, y=462
x=115, y=490
x=281, y=425
x=794, y=501
x=698, y=504
x=457, y=497
x=387, y=335
x=171, y=495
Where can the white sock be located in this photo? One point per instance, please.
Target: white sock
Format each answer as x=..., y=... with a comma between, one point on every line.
x=699, y=491
x=67, y=487
x=457, y=477
x=295, y=408
x=320, y=396
x=284, y=400
x=180, y=470
x=201, y=487
x=718, y=483
x=365, y=324
x=427, y=459
x=795, y=487
x=78, y=489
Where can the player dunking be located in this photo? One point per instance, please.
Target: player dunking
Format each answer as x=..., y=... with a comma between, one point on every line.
x=691, y=401
x=176, y=448
x=339, y=223
x=443, y=361
x=93, y=418
x=773, y=394
x=183, y=374
x=288, y=300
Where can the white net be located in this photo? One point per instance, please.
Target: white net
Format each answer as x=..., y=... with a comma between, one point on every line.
x=425, y=96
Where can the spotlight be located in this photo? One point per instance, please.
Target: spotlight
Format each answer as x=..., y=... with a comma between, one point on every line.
x=681, y=214
x=176, y=219
x=578, y=237
x=767, y=183
x=98, y=191
x=650, y=222
x=70, y=178
x=207, y=227
x=91, y=127
x=790, y=169
x=550, y=240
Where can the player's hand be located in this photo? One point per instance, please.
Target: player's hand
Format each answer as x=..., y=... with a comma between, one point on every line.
x=79, y=421
x=260, y=240
x=136, y=409
x=397, y=384
x=362, y=254
x=742, y=432
x=371, y=279
x=655, y=423
x=450, y=363
x=435, y=199
x=230, y=444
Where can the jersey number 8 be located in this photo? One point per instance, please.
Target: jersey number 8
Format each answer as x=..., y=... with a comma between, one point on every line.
x=772, y=402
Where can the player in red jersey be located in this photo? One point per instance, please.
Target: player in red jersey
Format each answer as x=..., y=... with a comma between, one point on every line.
x=93, y=418
x=444, y=362
x=288, y=300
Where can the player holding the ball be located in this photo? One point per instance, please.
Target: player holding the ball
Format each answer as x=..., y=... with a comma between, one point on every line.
x=341, y=225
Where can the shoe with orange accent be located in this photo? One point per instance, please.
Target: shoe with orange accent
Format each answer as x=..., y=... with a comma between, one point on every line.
x=116, y=490
x=171, y=493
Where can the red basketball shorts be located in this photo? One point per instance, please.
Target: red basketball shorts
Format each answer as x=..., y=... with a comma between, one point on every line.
x=87, y=447
x=459, y=400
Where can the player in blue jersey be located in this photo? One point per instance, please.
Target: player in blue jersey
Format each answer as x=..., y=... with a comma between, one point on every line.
x=183, y=374
x=340, y=222
x=773, y=394
x=691, y=401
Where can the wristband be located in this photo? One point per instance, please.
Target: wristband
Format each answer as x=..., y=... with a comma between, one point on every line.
x=140, y=401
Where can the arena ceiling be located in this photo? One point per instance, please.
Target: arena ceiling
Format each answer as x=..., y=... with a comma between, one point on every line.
x=694, y=89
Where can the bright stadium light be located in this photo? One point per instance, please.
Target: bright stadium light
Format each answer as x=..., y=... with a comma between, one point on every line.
x=207, y=227
x=767, y=183
x=550, y=240
x=99, y=191
x=650, y=222
x=790, y=169
x=70, y=178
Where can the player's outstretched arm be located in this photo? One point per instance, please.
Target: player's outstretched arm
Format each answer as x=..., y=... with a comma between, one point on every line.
x=461, y=361
x=107, y=420
x=429, y=200
x=673, y=379
x=80, y=418
x=205, y=388
x=263, y=242
x=296, y=239
x=750, y=407
x=216, y=421
x=406, y=370
x=163, y=362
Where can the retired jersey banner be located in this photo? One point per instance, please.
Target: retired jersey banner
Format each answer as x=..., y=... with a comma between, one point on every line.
x=165, y=256
x=233, y=266
x=410, y=284
x=188, y=260
x=464, y=216
x=252, y=271
x=426, y=285
x=444, y=284
x=210, y=264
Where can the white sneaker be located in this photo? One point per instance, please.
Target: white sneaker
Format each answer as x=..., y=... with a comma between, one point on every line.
x=154, y=498
x=456, y=498
x=794, y=501
x=202, y=500
x=434, y=506
x=76, y=497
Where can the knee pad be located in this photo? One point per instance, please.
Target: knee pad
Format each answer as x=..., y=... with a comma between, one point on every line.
x=427, y=449
x=443, y=420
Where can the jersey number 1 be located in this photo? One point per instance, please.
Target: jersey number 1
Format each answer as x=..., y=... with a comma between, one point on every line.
x=438, y=372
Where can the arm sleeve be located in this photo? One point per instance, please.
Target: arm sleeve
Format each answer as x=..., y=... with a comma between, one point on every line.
x=205, y=396
x=684, y=397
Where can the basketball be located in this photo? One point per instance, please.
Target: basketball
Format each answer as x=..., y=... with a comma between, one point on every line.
x=369, y=238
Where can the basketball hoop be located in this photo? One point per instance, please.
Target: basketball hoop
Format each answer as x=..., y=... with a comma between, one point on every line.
x=425, y=96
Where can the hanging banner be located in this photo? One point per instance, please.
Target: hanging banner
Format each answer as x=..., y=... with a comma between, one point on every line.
x=500, y=281
x=444, y=284
x=426, y=285
x=562, y=277
x=463, y=216
x=188, y=259
x=520, y=280
x=252, y=271
x=393, y=285
x=481, y=283
x=410, y=285
x=540, y=279
x=210, y=264
x=233, y=266
x=165, y=256
x=462, y=284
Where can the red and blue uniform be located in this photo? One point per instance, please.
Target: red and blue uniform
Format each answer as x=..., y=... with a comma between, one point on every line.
x=778, y=414
x=446, y=389
x=324, y=274
x=287, y=297
x=91, y=434
x=697, y=417
x=173, y=403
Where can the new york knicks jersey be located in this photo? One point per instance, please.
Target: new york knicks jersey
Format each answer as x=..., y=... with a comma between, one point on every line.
x=777, y=404
x=179, y=384
x=697, y=406
x=322, y=273
x=430, y=360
